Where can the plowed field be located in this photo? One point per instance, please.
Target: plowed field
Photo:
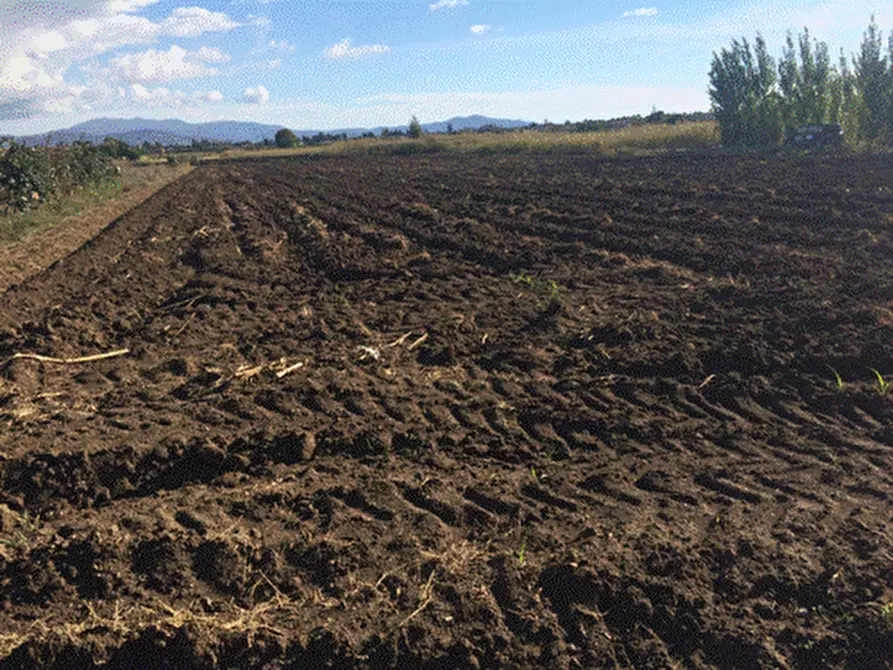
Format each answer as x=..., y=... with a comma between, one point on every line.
x=459, y=412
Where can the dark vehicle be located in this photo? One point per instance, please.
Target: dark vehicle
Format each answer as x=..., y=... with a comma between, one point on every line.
x=817, y=136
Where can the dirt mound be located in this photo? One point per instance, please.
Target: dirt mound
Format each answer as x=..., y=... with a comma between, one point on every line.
x=435, y=412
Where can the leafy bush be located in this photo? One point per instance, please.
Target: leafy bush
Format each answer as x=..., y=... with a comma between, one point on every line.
x=286, y=139
x=116, y=148
x=32, y=175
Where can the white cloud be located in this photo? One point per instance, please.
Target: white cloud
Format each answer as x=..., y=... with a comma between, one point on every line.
x=642, y=11
x=256, y=96
x=162, y=66
x=344, y=51
x=274, y=63
x=167, y=98
x=195, y=21
x=38, y=49
x=211, y=55
x=480, y=29
x=281, y=45
x=126, y=6
x=447, y=4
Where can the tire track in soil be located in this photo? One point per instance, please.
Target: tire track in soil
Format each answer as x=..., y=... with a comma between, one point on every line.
x=442, y=411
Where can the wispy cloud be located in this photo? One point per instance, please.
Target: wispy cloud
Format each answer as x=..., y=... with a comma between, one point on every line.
x=480, y=28
x=194, y=21
x=161, y=96
x=283, y=46
x=642, y=11
x=447, y=4
x=256, y=96
x=344, y=51
x=163, y=66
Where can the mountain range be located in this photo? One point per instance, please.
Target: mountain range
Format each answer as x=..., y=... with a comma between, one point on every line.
x=173, y=132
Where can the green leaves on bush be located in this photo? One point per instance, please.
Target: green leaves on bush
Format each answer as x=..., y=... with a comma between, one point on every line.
x=30, y=176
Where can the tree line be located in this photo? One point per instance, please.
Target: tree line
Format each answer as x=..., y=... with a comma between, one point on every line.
x=759, y=101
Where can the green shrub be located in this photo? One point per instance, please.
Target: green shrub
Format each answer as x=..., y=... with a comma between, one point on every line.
x=286, y=139
x=33, y=175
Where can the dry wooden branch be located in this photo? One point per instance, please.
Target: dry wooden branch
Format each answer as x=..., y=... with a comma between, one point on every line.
x=426, y=596
x=419, y=342
x=707, y=381
x=289, y=370
x=400, y=340
x=65, y=361
x=248, y=372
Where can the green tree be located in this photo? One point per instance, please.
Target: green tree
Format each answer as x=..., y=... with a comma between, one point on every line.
x=872, y=84
x=815, y=68
x=844, y=100
x=744, y=95
x=805, y=77
x=116, y=148
x=789, y=83
x=415, y=129
x=889, y=123
x=286, y=139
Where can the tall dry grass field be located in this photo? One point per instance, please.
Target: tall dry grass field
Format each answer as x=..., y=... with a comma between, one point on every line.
x=634, y=139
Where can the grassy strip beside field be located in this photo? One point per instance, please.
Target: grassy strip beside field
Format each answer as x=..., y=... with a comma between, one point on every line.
x=16, y=225
x=34, y=239
x=135, y=181
x=646, y=138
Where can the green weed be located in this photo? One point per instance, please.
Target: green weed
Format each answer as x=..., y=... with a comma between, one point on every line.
x=883, y=386
x=837, y=378
x=27, y=525
x=522, y=554
x=19, y=540
x=555, y=290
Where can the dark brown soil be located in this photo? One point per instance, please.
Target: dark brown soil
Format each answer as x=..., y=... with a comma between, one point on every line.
x=551, y=412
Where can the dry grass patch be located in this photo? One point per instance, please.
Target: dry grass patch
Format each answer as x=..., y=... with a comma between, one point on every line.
x=647, y=138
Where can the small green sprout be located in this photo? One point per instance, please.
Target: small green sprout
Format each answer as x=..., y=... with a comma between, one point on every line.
x=887, y=613
x=534, y=474
x=522, y=554
x=555, y=289
x=15, y=543
x=883, y=386
x=837, y=378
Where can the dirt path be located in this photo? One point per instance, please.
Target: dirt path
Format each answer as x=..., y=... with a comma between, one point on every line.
x=442, y=412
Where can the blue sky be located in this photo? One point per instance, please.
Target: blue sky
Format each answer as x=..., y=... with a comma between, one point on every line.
x=352, y=63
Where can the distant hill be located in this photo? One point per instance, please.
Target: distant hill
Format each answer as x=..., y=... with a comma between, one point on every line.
x=168, y=132
x=473, y=123
x=173, y=132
